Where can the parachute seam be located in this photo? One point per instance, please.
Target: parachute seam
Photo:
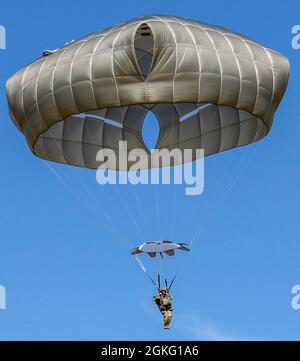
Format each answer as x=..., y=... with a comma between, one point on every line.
x=220, y=65
x=113, y=64
x=94, y=52
x=199, y=65
x=10, y=107
x=53, y=94
x=269, y=55
x=52, y=85
x=22, y=98
x=256, y=73
x=186, y=27
x=238, y=67
x=240, y=84
x=71, y=79
x=176, y=64
x=40, y=114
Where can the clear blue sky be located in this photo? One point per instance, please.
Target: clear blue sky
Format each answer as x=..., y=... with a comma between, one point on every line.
x=69, y=275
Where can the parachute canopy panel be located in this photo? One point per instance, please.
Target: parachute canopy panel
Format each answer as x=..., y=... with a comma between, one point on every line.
x=209, y=88
x=154, y=247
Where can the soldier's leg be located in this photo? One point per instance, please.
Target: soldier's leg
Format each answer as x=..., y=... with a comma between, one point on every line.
x=167, y=319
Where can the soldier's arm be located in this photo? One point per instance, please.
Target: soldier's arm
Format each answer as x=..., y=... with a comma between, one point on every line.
x=156, y=299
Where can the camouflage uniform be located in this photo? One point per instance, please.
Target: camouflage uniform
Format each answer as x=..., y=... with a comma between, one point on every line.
x=164, y=304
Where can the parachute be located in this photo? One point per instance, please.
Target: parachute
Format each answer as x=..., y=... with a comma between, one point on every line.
x=152, y=248
x=209, y=88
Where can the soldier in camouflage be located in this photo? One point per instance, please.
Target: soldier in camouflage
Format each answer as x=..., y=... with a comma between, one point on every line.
x=163, y=299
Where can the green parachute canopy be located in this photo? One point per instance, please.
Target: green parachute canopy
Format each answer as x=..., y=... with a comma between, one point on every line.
x=209, y=88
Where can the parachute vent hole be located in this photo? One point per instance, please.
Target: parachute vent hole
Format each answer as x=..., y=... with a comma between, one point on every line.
x=143, y=44
x=150, y=131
